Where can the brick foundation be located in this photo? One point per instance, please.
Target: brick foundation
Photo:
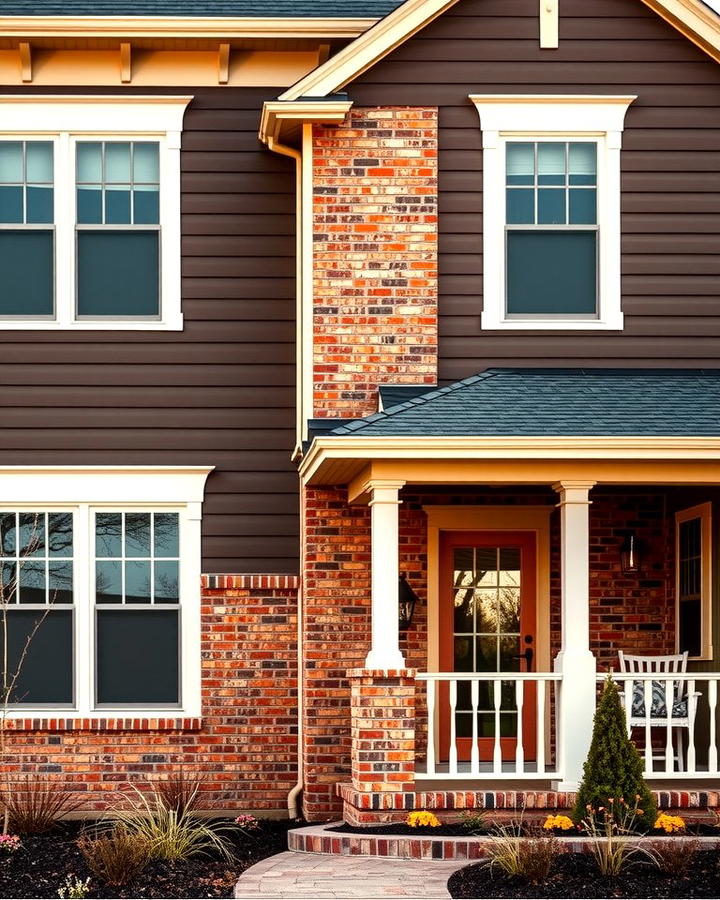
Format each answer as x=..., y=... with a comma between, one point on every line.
x=245, y=743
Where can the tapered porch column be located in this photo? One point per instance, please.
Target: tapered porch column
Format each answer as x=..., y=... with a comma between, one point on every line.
x=575, y=661
x=384, y=502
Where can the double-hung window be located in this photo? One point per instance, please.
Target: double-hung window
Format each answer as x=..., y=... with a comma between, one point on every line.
x=90, y=212
x=693, y=581
x=99, y=599
x=551, y=211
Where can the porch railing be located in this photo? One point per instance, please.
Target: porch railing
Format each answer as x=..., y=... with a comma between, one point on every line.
x=521, y=709
x=673, y=721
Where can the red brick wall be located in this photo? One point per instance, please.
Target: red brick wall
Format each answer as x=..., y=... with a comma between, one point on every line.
x=245, y=743
x=375, y=257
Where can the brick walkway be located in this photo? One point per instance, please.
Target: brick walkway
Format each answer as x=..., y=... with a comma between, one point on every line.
x=300, y=875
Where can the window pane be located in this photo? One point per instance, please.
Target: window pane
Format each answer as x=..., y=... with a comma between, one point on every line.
x=551, y=163
x=89, y=161
x=108, y=581
x=60, y=536
x=146, y=167
x=167, y=534
x=11, y=162
x=8, y=534
x=11, y=204
x=146, y=205
x=60, y=582
x=551, y=207
x=137, y=534
x=32, y=534
x=8, y=582
x=117, y=162
x=39, y=162
x=520, y=206
x=137, y=582
x=582, y=164
x=108, y=534
x=89, y=204
x=137, y=656
x=39, y=205
x=520, y=161
x=46, y=673
x=32, y=581
x=118, y=273
x=691, y=627
x=117, y=205
x=583, y=206
x=26, y=263
x=551, y=272
x=167, y=582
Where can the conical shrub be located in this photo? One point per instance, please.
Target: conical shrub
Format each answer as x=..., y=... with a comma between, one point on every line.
x=614, y=768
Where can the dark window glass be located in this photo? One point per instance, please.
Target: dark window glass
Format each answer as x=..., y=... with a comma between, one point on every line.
x=118, y=273
x=137, y=656
x=46, y=673
x=108, y=581
x=26, y=263
x=551, y=272
x=690, y=586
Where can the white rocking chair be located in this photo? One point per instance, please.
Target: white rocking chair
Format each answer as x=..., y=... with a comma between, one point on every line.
x=684, y=707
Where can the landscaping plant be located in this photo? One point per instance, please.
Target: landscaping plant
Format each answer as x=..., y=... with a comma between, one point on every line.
x=614, y=768
x=474, y=822
x=674, y=858
x=36, y=805
x=523, y=857
x=74, y=888
x=422, y=819
x=115, y=855
x=180, y=792
x=669, y=824
x=611, y=830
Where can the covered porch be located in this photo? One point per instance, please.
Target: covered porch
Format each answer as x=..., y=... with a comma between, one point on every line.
x=513, y=547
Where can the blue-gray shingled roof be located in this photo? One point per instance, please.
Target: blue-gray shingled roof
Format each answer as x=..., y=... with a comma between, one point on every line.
x=269, y=8
x=529, y=402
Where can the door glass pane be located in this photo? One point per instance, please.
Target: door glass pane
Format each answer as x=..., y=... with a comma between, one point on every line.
x=551, y=163
x=487, y=611
x=485, y=566
x=509, y=609
x=509, y=648
x=463, y=567
x=486, y=654
x=464, y=610
x=464, y=654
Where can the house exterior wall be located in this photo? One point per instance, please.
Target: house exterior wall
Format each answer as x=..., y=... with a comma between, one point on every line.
x=670, y=209
x=245, y=744
x=635, y=614
x=222, y=391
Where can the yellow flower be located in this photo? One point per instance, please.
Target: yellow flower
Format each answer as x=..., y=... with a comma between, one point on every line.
x=422, y=819
x=669, y=824
x=563, y=823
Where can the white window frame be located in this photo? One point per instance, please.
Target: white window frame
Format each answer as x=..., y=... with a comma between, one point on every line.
x=508, y=118
x=65, y=120
x=702, y=511
x=85, y=491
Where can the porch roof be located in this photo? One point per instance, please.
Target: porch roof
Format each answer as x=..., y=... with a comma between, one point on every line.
x=557, y=402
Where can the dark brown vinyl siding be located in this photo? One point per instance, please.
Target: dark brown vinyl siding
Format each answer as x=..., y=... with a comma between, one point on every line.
x=222, y=392
x=670, y=163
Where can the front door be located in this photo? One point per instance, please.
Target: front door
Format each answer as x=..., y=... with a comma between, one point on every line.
x=487, y=624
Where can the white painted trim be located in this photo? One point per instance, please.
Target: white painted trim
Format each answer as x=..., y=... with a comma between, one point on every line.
x=505, y=118
x=307, y=300
x=702, y=511
x=549, y=15
x=65, y=119
x=83, y=491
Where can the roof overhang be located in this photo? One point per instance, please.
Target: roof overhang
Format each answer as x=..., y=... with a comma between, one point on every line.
x=281, y=122
x=692, y=18
x=354, y=461
x=195, y=27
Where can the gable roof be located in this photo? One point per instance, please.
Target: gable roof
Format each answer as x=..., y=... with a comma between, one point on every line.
x=557, y=402
x=250, y=8
x=692, y=18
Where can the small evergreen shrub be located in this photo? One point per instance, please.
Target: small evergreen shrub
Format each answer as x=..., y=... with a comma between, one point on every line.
x=614, y=768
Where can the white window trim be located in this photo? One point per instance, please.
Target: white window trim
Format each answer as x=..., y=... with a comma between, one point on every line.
x=510, y=117
x=702, y=511
x=84, y=491
x=65, y=119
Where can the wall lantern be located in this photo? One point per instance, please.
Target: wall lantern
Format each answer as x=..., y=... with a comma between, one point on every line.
x=407, y=598
x=630, y=555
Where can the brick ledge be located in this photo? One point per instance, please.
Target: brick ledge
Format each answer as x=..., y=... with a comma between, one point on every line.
x=101, y=725
x=250, y=582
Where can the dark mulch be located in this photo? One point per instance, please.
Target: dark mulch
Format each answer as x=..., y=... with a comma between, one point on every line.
x=43, y=863
x=575, y=875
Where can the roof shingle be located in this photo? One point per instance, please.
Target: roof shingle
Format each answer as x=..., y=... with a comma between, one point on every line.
x=241, y=8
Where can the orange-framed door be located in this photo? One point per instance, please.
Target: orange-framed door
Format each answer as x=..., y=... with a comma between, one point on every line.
x=488, y=618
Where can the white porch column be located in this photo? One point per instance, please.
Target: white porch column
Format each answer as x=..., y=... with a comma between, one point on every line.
x=384, y=502
x=575, y=661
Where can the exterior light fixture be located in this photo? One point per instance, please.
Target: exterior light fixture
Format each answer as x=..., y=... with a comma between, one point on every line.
x=407, y=598
x=630, y=556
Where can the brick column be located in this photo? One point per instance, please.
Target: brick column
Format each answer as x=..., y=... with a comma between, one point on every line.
x=382, y=704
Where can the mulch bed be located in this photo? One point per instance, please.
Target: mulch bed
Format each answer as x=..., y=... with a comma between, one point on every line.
x=576, y=875
x=44, y=862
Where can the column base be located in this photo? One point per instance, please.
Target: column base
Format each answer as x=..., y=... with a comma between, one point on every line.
x=379, y=660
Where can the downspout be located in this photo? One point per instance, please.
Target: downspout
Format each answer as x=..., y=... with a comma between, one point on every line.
x=284, y=150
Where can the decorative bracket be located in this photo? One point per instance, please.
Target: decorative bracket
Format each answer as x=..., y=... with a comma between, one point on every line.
x=25, y=62
x=125, y=62
x=549, y=15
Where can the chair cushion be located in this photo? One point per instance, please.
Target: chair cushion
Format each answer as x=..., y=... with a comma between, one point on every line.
x=658, y=710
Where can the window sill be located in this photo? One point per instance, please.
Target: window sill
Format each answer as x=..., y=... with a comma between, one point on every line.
x=100, y=723
x=171, y=324
x=490, y=323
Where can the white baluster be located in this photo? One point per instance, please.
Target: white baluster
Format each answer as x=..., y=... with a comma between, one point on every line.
x=431, y=727
x=647, y=693
x=628, y=698
x=497, y=754
x=519, y=749
x=475, y=751
x=691, y=730
x=669, y=753
x=540, y=728
x=453, y=739
x=712, y=703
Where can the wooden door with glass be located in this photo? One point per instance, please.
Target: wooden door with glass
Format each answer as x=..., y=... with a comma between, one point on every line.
x=487, y=625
